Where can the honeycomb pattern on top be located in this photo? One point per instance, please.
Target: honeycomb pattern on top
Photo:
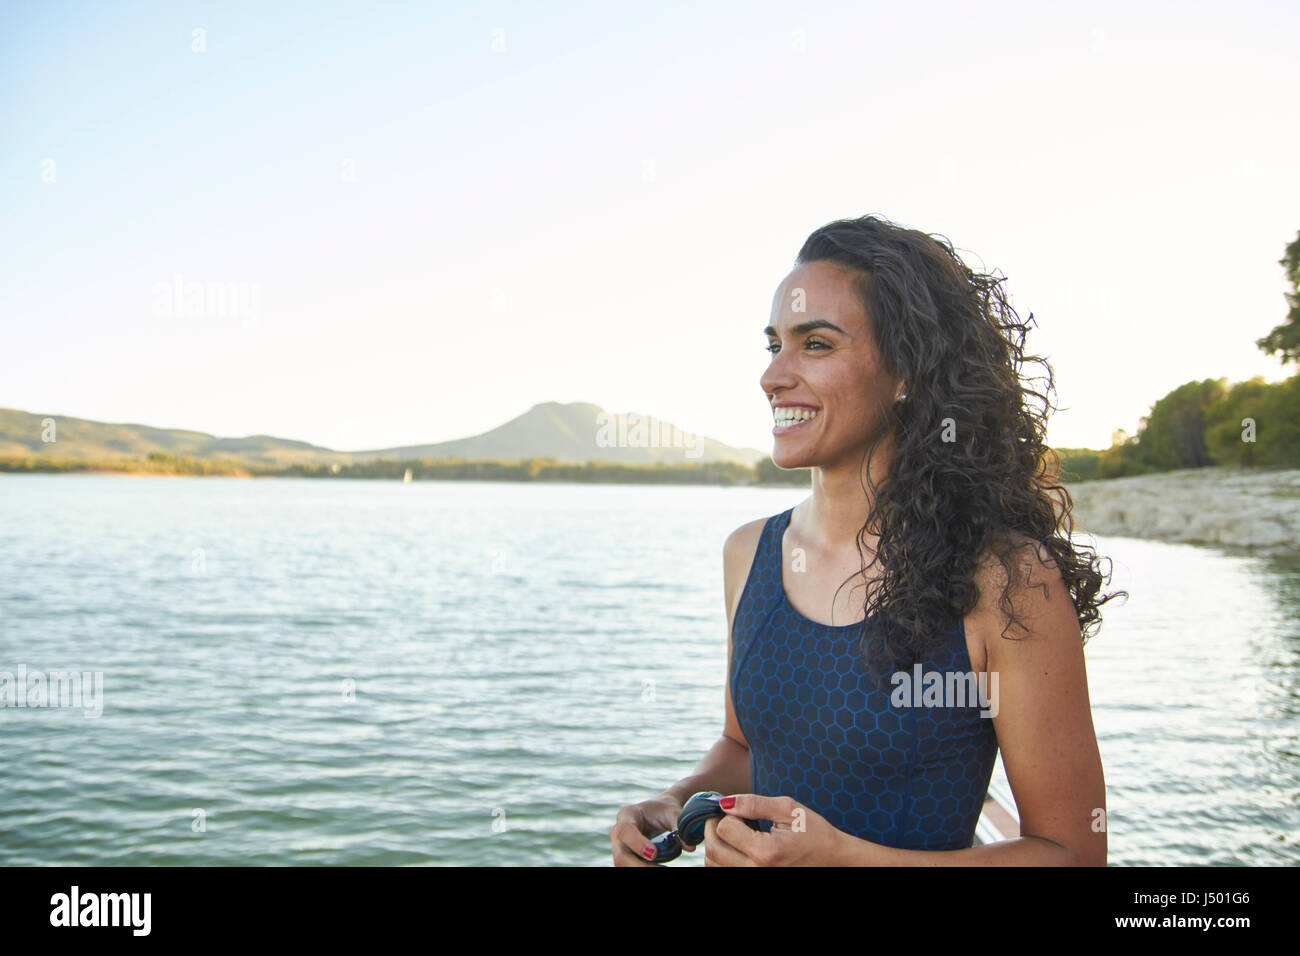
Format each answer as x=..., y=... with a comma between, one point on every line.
x=911, y=777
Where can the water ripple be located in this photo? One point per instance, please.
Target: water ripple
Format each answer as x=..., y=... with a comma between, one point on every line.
x=366, y=673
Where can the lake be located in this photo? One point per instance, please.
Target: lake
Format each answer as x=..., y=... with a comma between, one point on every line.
x=302, y=672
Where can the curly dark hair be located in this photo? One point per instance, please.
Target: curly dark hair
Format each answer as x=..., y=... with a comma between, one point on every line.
x=972, y=474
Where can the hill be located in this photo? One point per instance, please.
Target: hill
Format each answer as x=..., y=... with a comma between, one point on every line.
x=579, y=432
x=576, y=432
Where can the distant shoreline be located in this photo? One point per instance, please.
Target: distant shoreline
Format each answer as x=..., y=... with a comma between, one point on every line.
x=1254, y=511
x=723, y=473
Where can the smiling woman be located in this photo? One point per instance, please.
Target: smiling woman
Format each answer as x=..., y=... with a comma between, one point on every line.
x=896, y=378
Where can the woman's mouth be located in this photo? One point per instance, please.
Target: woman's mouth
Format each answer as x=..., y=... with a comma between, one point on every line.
x=792, y=417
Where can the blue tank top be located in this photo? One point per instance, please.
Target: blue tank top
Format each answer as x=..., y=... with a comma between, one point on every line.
x=821, y=731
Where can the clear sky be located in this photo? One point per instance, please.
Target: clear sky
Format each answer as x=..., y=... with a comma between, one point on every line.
x=438, y=215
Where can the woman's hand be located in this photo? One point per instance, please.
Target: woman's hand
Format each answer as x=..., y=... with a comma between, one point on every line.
x=636, y=823
x=799, y=836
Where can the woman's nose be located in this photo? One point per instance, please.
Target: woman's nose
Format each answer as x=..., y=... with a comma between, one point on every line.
x=775, y=376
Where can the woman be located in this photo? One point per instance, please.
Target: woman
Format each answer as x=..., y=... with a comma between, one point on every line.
x=850, y=721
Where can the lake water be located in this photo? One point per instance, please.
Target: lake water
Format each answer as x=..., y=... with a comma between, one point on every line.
x=363, y=672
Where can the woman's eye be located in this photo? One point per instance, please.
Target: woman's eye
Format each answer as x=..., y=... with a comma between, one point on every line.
x=774, y=347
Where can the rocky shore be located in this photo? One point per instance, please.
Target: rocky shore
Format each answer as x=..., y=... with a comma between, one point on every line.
x=1235, y=509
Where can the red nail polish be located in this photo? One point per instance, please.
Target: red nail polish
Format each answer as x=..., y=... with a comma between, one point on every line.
x=648, y=853
x=727, y=803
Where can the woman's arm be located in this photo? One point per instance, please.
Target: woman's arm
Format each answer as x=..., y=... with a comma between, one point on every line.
x=725, y=768
x=1044, y=727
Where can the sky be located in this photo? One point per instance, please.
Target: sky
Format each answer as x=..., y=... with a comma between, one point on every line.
x=400, y=223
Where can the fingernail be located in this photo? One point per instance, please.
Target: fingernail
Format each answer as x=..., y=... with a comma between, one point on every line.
x=727, y=803
x=648, y=853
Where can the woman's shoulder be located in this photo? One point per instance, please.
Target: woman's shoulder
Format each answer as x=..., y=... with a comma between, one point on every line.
x=738, y=553
x=742, y=543
x=745, y=538
x=1010, y=555
x=1022, y=569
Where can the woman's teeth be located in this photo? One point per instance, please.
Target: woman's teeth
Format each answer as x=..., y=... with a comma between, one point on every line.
x=786, y=417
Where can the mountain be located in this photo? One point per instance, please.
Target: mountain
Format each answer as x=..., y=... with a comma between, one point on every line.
x=577, y=432
x=21, y=436
x=580, y=432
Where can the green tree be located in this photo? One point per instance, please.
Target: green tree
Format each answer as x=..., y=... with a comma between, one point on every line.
x=1079, y=464
x=1286, y=337
x=1173, y=434
x=1256, y=424
x=1122, y=458
x=1278, y=425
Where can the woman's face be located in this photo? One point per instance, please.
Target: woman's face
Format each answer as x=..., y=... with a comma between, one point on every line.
x=825, y=370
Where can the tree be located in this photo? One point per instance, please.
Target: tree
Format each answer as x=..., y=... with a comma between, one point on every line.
x=1173, y=434
x=1286, y=337
x=1225, y=433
